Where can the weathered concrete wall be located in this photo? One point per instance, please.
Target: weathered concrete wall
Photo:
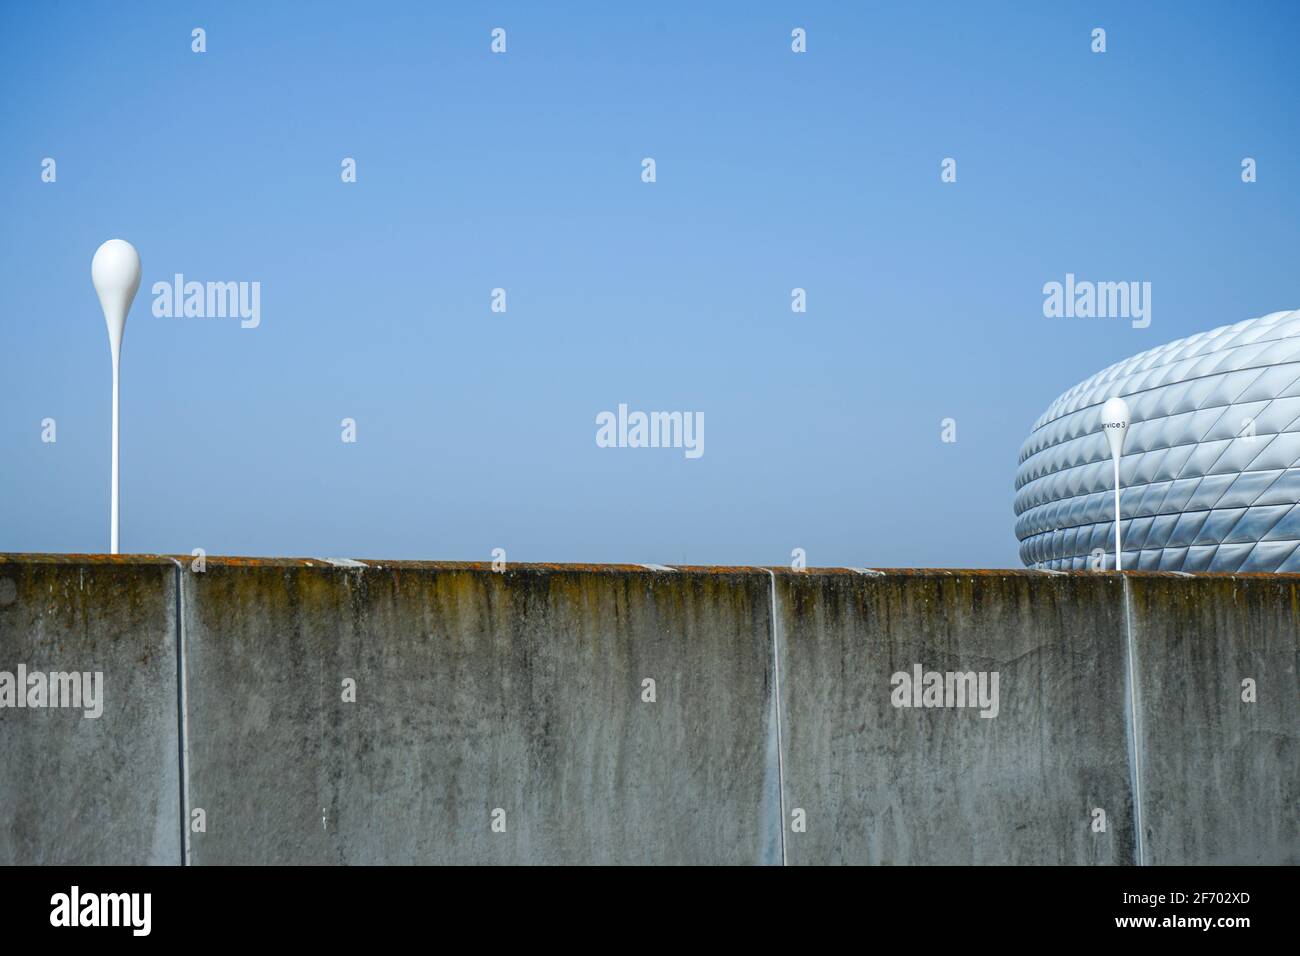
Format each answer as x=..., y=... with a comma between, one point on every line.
x=886, y=784
x=523, y=691
x=86, y=790
x=1220, y=776
x=476, y=691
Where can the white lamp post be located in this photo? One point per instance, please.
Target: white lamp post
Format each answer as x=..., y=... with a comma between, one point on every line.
x=1114, y=421
x=115, y=270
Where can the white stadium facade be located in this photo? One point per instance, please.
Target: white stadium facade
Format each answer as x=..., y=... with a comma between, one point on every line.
x=1210, y=475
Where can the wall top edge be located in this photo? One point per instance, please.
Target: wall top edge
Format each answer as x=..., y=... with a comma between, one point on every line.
x=365, y=564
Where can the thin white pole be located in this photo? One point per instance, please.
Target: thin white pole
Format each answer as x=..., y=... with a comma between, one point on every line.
x=1114, y=422
x=115, y=271
x=112, y=534
x=1118, y=546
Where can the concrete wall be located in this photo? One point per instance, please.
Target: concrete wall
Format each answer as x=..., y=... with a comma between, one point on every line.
x=1221, y=777
x=81, y=790
x=886, y=784
x=522, y=691
x=477, y=691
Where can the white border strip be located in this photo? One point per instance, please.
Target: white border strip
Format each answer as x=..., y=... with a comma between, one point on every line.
x=1135, y=725
x=182, y=712
x=776, y=680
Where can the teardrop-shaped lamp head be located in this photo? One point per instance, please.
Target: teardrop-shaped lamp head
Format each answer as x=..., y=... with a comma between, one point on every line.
x=115, y=270
x=1114, y=422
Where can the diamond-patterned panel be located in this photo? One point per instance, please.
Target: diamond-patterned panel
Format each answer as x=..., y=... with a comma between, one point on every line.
x=1211, y=469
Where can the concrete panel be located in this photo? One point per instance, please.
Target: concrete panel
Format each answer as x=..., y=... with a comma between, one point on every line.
x=881, y=784
x=77, y=789
x=1220, y=776
x=522, y=691
x=476, y=691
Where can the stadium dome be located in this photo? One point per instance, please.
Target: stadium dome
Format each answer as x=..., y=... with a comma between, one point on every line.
x=1210, y=476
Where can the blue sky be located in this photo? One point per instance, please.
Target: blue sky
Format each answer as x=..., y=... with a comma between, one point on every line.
x=476, y=430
